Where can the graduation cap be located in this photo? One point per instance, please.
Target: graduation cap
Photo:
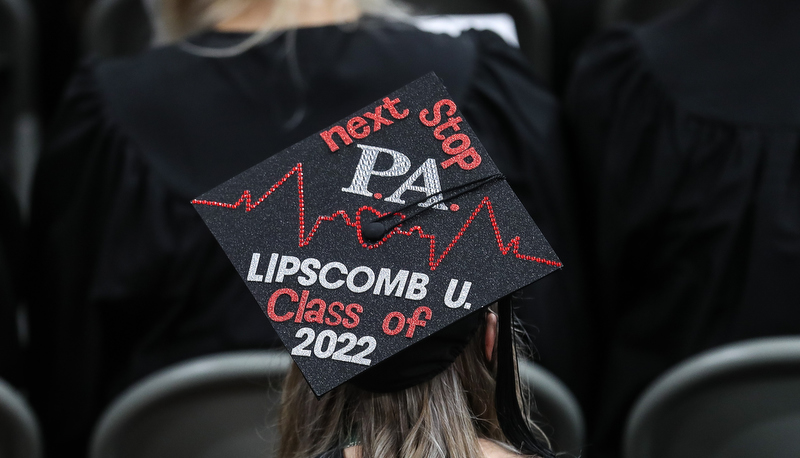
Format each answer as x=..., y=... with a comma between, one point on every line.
x=376, y=233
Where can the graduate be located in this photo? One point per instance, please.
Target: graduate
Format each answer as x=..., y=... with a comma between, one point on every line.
x=387, y=265
x=689, y=138
x=135, y=282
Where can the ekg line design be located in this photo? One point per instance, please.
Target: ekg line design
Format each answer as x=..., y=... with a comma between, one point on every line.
x=433, y=260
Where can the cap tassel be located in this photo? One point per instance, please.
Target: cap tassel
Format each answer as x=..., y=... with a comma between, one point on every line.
x=512, y=422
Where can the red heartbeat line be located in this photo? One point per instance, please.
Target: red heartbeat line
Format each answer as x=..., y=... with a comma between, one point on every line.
x=433, y=260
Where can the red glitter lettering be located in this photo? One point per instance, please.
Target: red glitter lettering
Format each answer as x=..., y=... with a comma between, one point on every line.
x=328, y=137
x=437, y=115
x=447, y=145
x=461, y=160
x=298, y=317
x=390, y=105
x=401, y=323
x=358, y=123
x=415, y=320
x=351, y=311
x=378, y=118
x=271, y=304
x=315, y=316
x=337, y=318
x=452, y=122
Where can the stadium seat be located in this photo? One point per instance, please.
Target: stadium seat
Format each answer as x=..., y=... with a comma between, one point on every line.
x=19, y=431
x=18, y=126
x=562, y=416
x=635, y=11
x=217, y=406
x=123, y=27
x=226, y=405
x=737, y=401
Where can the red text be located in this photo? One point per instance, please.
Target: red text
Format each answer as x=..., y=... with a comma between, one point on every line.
x=359, y=128
x=313, y=310
x=456, y=145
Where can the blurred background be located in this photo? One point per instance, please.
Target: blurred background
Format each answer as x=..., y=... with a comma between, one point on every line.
x=43, y=40
x=678, y=124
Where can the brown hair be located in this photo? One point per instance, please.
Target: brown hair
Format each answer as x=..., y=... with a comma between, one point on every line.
x=443, y=417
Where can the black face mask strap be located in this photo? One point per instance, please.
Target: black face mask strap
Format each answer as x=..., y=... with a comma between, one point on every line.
x=509, y=413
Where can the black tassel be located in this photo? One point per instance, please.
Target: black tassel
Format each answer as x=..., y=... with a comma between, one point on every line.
x=509, y=414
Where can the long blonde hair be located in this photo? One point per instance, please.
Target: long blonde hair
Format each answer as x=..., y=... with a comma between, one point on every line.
x=181, y=18
x=441, y=418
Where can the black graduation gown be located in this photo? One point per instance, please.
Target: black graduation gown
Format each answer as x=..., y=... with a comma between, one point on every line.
x=689, y=159
x=12, y=276
x=135, y=281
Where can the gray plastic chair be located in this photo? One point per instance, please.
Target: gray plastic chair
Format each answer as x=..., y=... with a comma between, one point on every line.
x=123, y=27
x=738, y=401
x=18, y=124
x=225, y=405
x=19, y=432
x=636, y=11
x=217, y=406
x=562, y=416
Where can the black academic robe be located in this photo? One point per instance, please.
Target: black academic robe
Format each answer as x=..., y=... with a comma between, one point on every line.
x=688, y=133
x=135, y=281
x=12, y=288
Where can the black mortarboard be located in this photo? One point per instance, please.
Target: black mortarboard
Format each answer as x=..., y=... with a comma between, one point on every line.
x=375, y=233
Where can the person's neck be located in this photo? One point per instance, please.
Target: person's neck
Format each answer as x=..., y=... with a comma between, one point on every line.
x=489, y=449
x=493, y=450
x=298, y=14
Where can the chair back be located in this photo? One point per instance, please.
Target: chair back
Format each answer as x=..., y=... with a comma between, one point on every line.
x=737, y=401
x=561, y=416
x=217, y=406
x=19, y=431
x=227, y=405
x=18, y=131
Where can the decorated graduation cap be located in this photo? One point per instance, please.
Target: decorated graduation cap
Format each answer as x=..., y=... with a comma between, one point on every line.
x=366, y=239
